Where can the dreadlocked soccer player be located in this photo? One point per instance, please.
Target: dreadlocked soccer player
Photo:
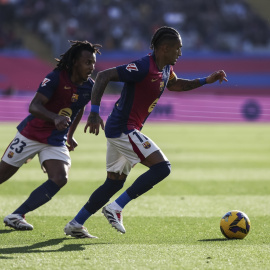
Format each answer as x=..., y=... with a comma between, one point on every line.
x=55, y=112
x=145, y=81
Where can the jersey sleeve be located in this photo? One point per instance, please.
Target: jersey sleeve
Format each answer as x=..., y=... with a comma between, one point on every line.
x=49, y=84
x=135, y=71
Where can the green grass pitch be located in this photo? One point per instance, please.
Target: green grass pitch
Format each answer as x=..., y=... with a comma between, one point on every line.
x=215, y=168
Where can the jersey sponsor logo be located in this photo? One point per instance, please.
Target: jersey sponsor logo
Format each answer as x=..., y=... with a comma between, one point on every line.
x=10, y=154
x=74, y=98
x=65, y=112
x=131, y=67
x=146, y=145
x=67, y=87
x=45, y=81
x=161, y=86
x=152, y=106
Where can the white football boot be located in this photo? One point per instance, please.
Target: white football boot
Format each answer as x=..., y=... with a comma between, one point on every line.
x=17, y=222
x=77, y=231
x=115, y=218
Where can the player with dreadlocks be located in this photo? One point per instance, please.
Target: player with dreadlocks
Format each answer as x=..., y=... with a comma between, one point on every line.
x=145, y=81
x=55, y=112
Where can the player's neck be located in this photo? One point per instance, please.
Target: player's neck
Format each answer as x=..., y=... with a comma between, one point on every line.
x=76, y=79
x=160, y=64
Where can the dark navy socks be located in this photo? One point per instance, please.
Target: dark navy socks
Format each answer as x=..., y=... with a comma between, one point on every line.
x=99, y=198
x=38, y=197
x=146, y=181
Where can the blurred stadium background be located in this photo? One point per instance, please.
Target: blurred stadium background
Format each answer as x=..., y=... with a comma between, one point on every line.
x=233, y=35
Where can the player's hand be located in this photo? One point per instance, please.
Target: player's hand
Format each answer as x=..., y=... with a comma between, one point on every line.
x=71, y=143
x=93, y=122
x=217, y=76
x=61, y=122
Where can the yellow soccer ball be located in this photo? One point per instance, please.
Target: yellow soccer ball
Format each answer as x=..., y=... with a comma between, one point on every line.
x=235, y=225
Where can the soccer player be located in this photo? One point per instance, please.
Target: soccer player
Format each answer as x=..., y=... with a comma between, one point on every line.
x=55, y=112
x=145, y=81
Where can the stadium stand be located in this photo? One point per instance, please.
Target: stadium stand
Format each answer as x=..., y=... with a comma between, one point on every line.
x=227, y=34
x=220, y=25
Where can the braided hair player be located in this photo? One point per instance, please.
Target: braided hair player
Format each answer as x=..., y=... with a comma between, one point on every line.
x=144, y=83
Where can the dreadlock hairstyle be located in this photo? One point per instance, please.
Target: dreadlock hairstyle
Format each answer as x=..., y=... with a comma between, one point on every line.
x=76, y=47
x=163, y=33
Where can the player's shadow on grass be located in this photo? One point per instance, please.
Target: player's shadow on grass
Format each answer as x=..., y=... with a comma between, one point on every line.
x=37, y=247
x=215, y=240
x=5, y=231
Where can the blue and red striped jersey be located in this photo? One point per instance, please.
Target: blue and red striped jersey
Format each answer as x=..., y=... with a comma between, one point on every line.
x=65, y=98
x=144, y=83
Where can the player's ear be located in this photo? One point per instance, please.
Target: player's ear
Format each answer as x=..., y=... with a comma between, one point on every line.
x=164, y=47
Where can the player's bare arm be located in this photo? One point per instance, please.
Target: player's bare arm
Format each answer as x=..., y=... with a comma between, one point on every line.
x=71, y=142
x=37, y=109
x=102, y=80
x=179, y=85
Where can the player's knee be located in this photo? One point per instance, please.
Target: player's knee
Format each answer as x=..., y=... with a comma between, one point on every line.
x=60, y=180
x=162, y=169
x=168, y=169
x=116, y=176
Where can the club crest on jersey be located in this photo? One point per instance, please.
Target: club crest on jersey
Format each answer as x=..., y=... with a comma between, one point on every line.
x=74, y=98
x=45, y=81
x=66, y=112
x=131, y=67
x=10, y=154
x=161, y=86
x=146, y=145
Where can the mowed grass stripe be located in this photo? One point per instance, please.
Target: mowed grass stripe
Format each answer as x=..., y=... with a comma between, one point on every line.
x=140, y=230
x=243, y=170
x=154, y=206
x=166, y=187
x=193, y=173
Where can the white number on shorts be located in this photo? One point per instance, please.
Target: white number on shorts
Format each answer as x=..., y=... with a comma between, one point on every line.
x=139, y=137
x=20, y=147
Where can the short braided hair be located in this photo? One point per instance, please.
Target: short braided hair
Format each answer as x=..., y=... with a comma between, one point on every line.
x=161, y=34
x=67, y=59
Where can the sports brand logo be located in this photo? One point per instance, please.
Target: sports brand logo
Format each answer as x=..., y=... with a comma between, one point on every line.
x=10, y=154
x=74, y=98
x=131, y=67
x=45, y=81
x=152, y=106
x=146, y=145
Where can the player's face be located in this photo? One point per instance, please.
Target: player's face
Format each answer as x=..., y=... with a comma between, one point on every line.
x=174, y=51
x=84, y=66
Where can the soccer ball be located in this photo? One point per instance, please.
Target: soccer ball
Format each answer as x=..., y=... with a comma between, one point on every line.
x=235, y=225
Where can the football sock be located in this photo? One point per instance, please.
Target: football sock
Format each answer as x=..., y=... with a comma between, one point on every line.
x=81, y=217
x=146, y=181
x=102, y=195
x=38, y=197
x=73, y=222
x=121, y=201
